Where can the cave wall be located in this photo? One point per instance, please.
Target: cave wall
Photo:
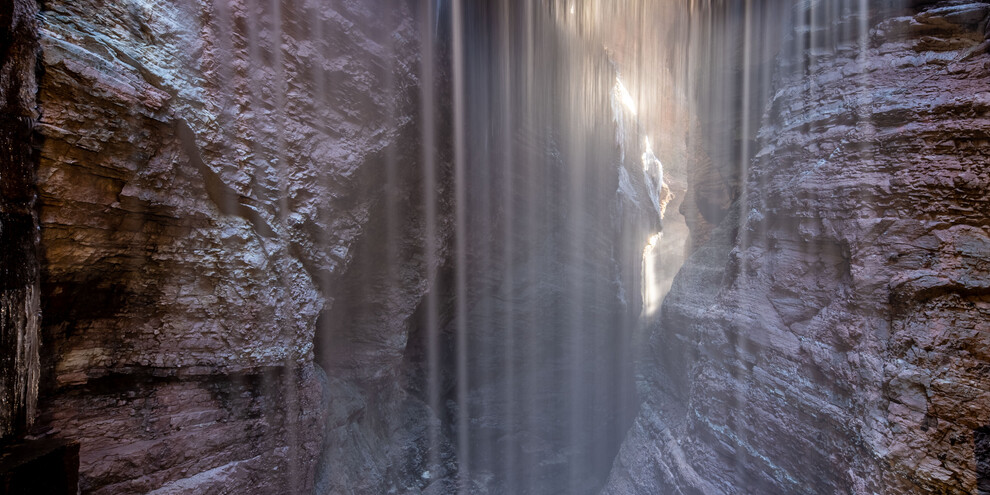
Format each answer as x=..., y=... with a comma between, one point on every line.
x=206, y=172
x=831, y=335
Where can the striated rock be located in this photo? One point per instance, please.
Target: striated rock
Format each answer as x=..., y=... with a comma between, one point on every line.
x=206, y=172
x=247, y=246
x=832, y=338
x=194, y=434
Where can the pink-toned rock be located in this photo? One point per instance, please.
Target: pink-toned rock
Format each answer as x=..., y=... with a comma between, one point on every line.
x=831, y=337
x=206, y=169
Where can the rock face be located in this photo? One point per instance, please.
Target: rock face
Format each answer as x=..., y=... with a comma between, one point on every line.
x=273, y=258
x=242, y=242
x=831, y=336
x=19, y=268
x=206, y=171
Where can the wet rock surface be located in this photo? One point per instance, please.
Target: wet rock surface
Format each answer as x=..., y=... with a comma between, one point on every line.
x=235, y=273
x=831, y=336
x=206, y=171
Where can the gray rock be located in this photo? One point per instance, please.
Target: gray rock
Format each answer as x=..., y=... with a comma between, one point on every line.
x=836, y=343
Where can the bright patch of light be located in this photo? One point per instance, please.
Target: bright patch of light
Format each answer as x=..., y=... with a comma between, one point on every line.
x=624, y=96
x=653, y=177
x=572, y=9
x=654, y=240
x=652, y=291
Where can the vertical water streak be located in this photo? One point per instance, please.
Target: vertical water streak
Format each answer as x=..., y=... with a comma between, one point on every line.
x=390, y=190
x=224, y=32
x=863, y=101
x=289, y=374
x=323, y=81
x=253, y=15
x=508, y=238
x=429, y=183
x=483, y=308
x=572, y=254
x=281, y=166
x=531, y=231
x=746, y=104
x=739, y=398
x=460, y=247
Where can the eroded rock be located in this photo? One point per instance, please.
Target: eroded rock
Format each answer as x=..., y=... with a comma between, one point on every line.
x=835, y=342
x=206, y=171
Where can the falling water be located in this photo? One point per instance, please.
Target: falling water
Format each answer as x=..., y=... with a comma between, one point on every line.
x=476, y=224
x=481, y=334
x=579, y=128
x=560, y=154
x=551, y=166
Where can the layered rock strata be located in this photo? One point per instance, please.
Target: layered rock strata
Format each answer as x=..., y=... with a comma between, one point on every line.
x=831, y=336
x=207, y=170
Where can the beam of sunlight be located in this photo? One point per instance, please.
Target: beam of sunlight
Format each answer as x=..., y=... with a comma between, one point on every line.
x=623, y=94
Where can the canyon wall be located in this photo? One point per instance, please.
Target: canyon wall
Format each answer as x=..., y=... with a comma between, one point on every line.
x=247, y=238
x=19, y=267
x=831, y=335
x=207, y=172
x=272, y=255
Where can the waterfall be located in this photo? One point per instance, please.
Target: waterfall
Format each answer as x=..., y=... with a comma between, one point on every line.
x=543, y=247
x=529, y=362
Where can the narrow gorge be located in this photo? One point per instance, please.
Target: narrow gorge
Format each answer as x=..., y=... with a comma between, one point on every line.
x=620, y=247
